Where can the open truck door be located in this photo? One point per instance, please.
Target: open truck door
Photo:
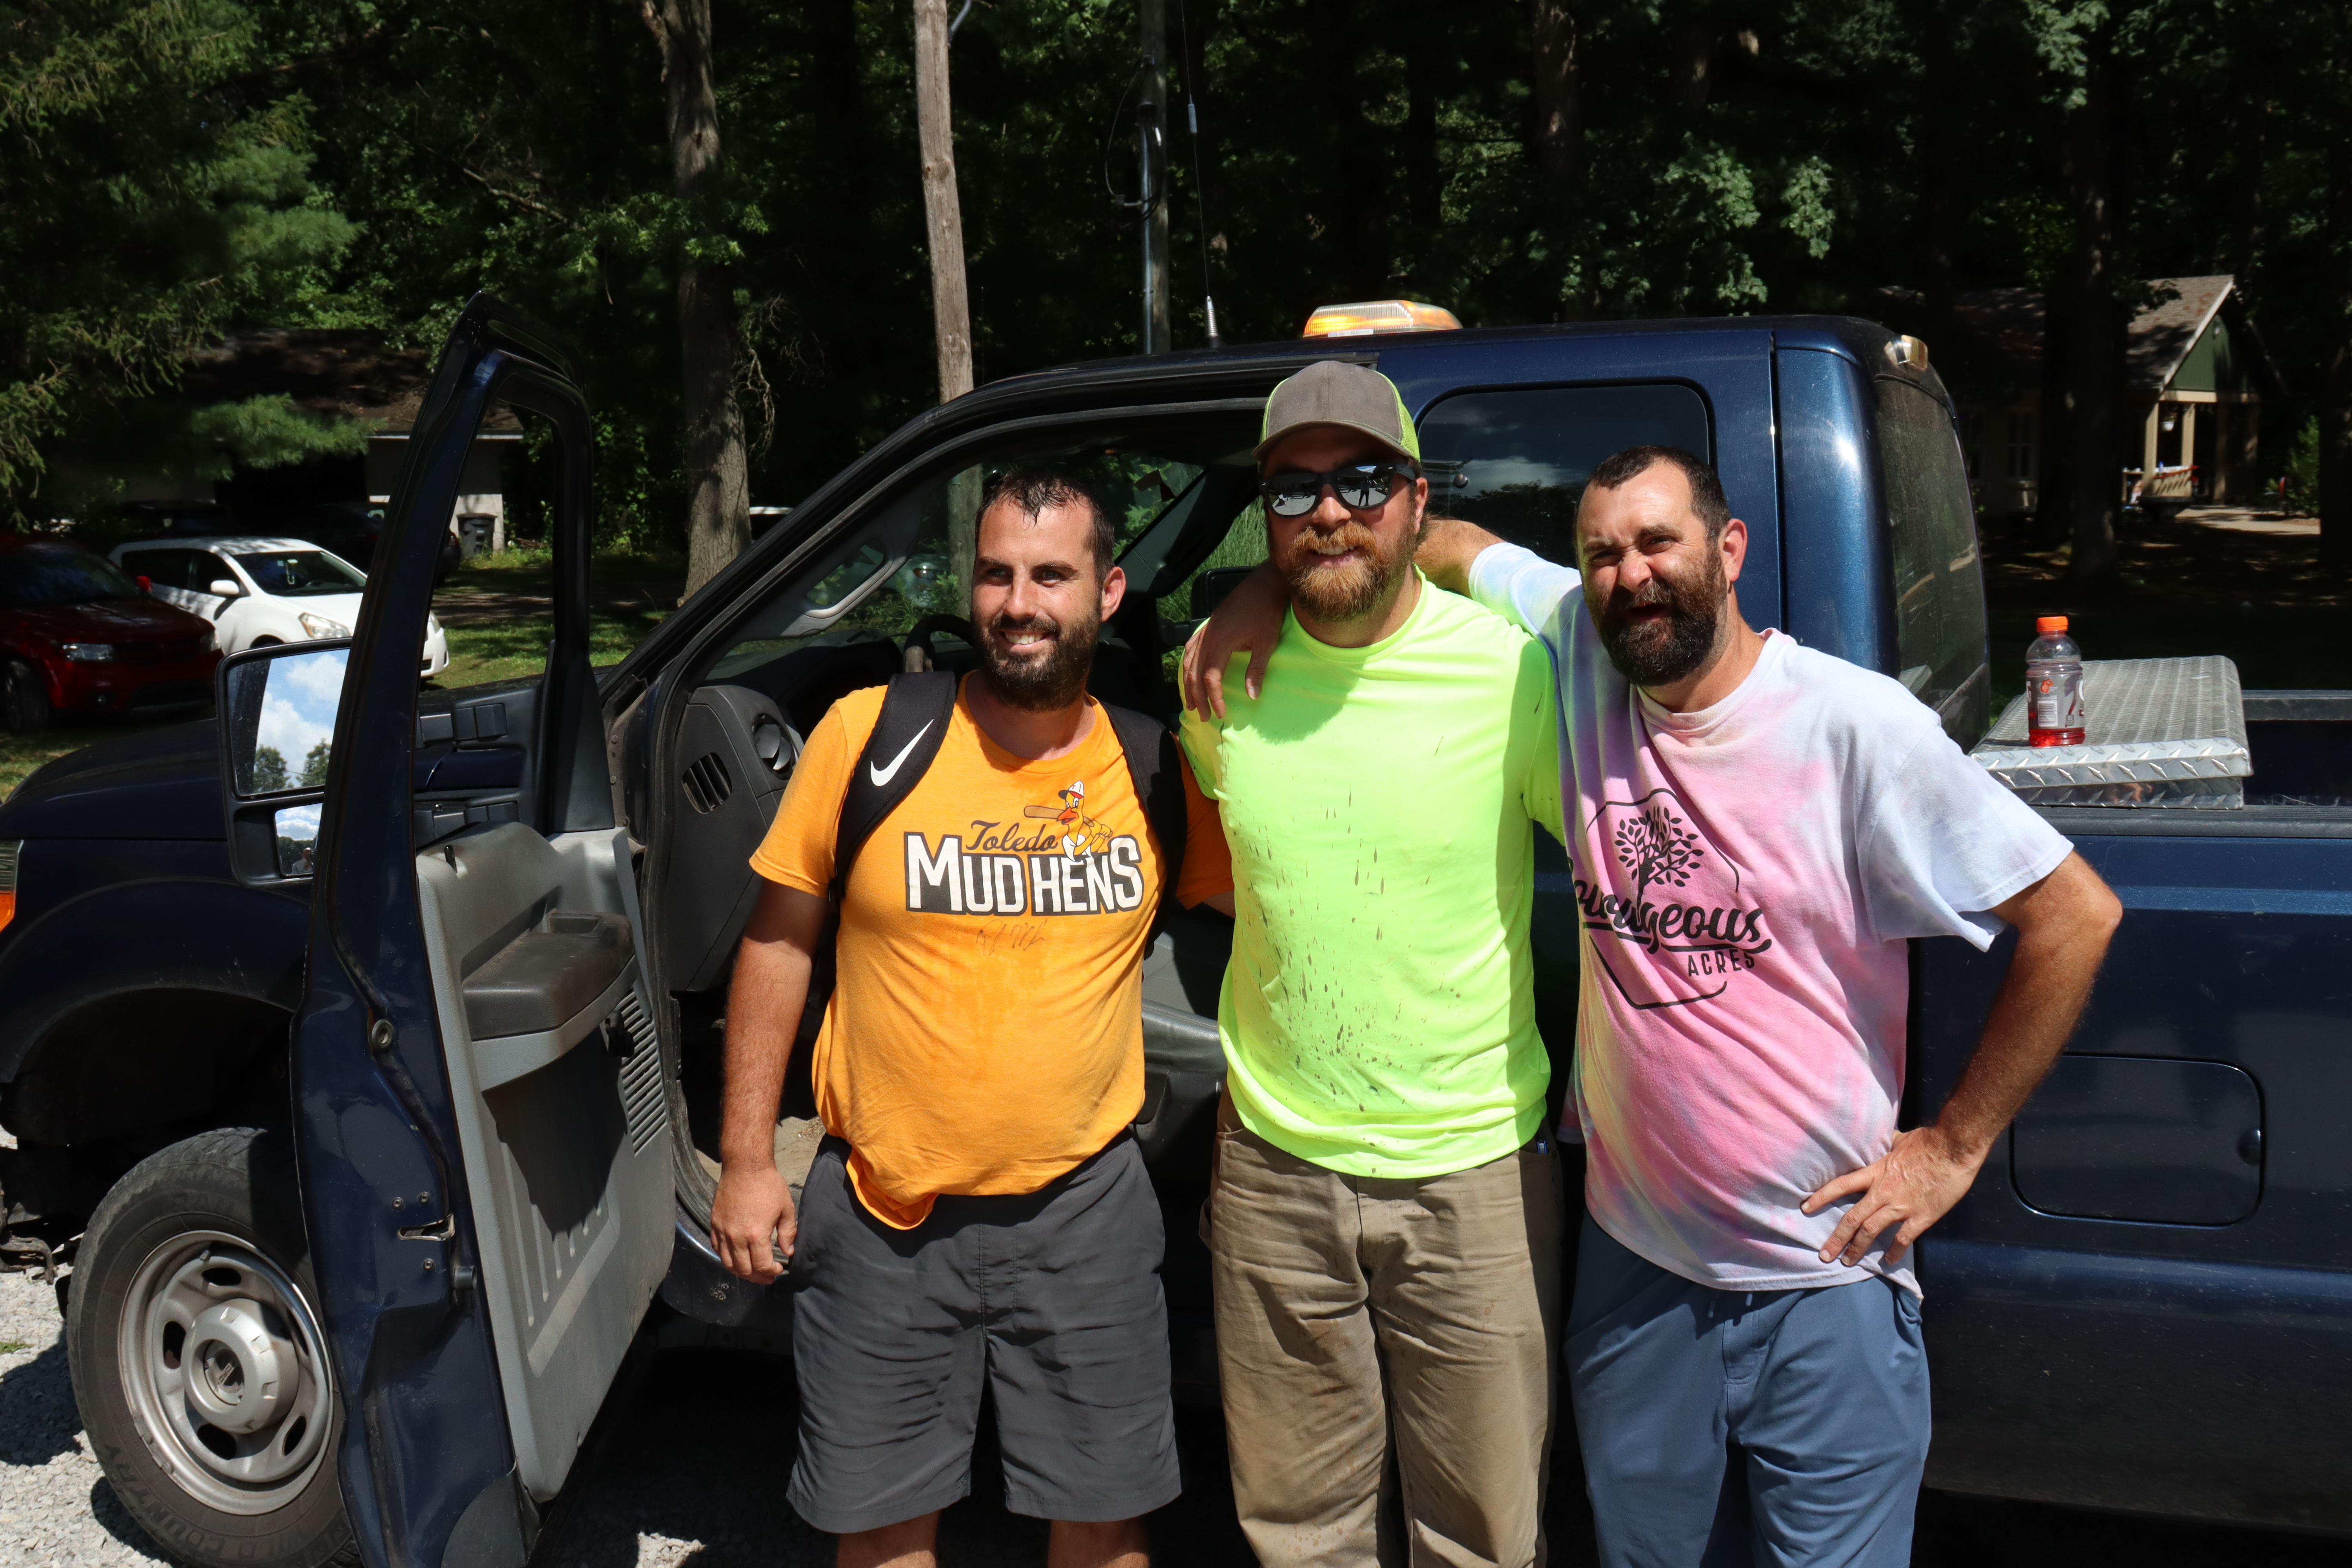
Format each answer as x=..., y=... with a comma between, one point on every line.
x=480, y=1122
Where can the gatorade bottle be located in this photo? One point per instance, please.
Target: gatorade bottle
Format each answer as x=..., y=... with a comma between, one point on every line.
x=2053, y=686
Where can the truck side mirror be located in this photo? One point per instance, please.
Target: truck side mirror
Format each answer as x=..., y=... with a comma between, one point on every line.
x=277, y=706
x=225, y=588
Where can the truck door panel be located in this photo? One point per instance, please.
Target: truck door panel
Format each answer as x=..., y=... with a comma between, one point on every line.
x=2129, y=1310
x=561, y=1114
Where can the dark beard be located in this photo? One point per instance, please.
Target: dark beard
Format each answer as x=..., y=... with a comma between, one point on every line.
x=1040, y=685
x=1335, y=597
x=1662, y=652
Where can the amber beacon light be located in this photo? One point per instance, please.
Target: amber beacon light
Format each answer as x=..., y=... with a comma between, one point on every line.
x=1379, y=316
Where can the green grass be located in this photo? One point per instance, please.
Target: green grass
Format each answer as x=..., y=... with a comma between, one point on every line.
x=15, y=1347
x=509, y=649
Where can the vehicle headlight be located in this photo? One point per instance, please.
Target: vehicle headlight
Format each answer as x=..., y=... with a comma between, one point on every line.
x=89, y=652
x=432, y=626
x=321, y=627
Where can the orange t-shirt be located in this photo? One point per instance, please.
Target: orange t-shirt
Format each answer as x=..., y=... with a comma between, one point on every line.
x=985, y=1033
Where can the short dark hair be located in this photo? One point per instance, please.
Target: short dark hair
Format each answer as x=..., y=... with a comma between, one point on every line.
x=1707, y=501
x=1036, y=490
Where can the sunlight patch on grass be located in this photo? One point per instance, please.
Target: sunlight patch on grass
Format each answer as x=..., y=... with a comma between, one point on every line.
x=513, y=649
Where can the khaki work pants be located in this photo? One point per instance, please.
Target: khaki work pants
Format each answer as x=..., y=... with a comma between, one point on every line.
x=1359, y=1319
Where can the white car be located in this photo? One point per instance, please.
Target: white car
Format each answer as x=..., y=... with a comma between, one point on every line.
x=258, y=591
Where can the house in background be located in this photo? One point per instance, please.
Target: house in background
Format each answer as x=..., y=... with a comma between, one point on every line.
x=348, y=374
x=2193, y=380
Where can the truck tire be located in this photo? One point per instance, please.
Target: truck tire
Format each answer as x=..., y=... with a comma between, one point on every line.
x=198, y=1361
x=24, y=698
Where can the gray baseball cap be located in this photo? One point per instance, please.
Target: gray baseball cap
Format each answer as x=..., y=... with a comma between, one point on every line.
x=1332, y=391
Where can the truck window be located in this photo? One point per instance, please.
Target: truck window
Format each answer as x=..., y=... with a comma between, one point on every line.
x=1939, y=606
x=1515, y=462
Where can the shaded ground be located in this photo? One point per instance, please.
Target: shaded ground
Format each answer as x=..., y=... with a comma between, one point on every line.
x=696, y=1470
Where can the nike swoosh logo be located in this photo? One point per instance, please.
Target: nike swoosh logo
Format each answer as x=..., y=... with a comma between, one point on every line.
x=882, y=775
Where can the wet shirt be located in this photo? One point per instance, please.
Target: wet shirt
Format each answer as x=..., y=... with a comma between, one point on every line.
x=1378, y=806
x=1747, y=877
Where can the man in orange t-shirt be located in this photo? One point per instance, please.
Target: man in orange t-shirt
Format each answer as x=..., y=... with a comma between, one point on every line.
x=978, y=1213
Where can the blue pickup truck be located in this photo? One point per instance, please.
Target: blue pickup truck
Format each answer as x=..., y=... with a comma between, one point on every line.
x=361, y=1048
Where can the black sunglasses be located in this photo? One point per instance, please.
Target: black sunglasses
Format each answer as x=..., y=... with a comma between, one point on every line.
x=1361, y=487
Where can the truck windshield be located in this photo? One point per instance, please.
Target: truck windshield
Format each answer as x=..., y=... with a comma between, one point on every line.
x=60, y=574
x=1939, y=606
x=300, y=574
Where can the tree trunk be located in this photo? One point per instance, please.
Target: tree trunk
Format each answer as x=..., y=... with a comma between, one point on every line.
x=2094, y=363
x=1560, y=93
x=2335, y=405
x=943, y=211
x=710, y=422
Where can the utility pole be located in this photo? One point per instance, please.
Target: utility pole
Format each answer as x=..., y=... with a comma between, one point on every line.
x=943, y=211
x=1151, y=146
x=950, y=300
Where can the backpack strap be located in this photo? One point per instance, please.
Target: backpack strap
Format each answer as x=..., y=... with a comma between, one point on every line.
x=1153, y=764
x=916, y=711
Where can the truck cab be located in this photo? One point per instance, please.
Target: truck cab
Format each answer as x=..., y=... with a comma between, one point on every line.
x=375, y=1103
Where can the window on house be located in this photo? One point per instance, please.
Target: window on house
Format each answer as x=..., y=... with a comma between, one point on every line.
x=2020, y=446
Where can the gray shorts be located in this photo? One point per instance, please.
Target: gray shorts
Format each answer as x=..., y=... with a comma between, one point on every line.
x=1050, y=1300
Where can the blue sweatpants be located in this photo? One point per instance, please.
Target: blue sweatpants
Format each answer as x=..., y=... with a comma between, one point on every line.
x=1719, y=1428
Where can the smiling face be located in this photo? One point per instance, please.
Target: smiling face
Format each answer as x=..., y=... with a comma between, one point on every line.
x=1658, y=588
x=1037, y=604
x=1342, y=565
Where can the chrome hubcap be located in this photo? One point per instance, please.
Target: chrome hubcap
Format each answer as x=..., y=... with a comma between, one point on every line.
x=225, y=1374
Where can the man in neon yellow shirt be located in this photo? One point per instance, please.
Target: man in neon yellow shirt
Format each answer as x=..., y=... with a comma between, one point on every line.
x=1385, y=1219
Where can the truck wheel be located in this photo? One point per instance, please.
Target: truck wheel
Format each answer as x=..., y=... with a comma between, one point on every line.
x=24, y=698
x=198, y=1361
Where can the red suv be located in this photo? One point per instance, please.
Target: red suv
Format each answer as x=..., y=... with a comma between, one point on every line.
x=78, y=634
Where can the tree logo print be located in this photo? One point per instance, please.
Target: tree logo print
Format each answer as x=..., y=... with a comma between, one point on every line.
x=1658, y=849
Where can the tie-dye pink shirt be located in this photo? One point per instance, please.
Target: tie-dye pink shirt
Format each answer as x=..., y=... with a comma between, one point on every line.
x=1749, y=874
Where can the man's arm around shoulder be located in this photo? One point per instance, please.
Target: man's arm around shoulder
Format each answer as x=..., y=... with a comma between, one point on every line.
x=1448, y=547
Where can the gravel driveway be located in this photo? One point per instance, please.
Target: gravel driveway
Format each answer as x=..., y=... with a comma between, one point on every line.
x=693, y=1473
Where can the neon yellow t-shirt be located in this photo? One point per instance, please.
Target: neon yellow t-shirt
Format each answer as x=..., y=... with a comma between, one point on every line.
x=1378, y=1016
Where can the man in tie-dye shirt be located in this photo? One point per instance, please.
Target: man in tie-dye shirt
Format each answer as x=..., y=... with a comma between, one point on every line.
x=1757, y=830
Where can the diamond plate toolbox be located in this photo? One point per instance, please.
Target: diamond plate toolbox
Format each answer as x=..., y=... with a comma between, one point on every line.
x=2157, y=732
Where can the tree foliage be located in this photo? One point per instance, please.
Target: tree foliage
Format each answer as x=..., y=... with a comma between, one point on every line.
x=178, y=167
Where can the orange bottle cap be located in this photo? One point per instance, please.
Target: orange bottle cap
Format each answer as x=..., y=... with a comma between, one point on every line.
x=2050, y=623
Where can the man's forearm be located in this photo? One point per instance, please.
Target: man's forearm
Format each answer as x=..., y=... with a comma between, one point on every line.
x=1447, y=549
x=2063, y=926
x=763, y=1013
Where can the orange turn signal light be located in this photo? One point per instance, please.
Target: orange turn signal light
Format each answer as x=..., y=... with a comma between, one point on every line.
x=1379, y=316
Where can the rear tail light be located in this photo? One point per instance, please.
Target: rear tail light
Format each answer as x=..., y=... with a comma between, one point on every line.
x=8, y=852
